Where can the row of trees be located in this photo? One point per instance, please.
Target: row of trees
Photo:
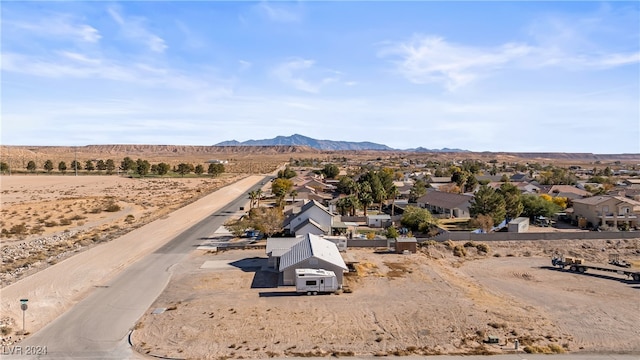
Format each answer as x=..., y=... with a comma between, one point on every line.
x=140, y=167
x=492, y=206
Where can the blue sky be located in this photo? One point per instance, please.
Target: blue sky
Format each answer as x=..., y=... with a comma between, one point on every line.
x=483, y=76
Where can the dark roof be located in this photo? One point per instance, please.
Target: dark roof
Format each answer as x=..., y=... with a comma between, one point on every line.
x=444, y=199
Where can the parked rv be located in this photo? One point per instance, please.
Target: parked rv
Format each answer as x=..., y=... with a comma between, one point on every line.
x=316, y=281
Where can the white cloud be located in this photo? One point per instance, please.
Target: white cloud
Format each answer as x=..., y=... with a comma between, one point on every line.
x=56, y=26
x=280, y=12
x=431, y=59
x=135, y=29
x=244, y=65
x=304, y=75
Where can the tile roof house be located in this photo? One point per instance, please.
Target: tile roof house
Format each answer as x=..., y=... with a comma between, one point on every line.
x=607, y=210
x=439, y=202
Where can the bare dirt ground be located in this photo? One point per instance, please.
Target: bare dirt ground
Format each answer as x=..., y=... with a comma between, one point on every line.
x=47, y=218
x=222, y=305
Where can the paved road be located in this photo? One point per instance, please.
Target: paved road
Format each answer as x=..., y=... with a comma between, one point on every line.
x=98, y=326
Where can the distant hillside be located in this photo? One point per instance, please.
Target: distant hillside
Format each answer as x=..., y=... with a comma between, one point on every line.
x=300, y=140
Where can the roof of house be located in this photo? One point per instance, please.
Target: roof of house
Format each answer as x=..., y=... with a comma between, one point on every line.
x=381, y=217
x=305, y=207
x=567, y=189
x=312, y=222
x=285, y=243
x=312, y=246
x=595, y=200
x=444, y=199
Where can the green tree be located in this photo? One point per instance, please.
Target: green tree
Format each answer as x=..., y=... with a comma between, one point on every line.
x=293, y=193
x=48, y=165
x=535, y=206
x=331, y=171
x=280, y=187
x=62, y=167
x=199, y=169
x=101, y=165
x=215, y=169
x=488, y=202
x=110, y=166
x=31, y=166
x=346, y=185
x=418, y=219
x=471, y=184
x=127, y=164
x=253, y=198
x=142, y=167
x=287, y=173
x=512, y=200
x=418, y=190
x=75, y=165
x=89, y=166
x=184, y=169
x=162, y=169
x=460, y=178
x=4, y=167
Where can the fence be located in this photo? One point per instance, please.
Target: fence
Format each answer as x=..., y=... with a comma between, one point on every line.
x=504, y=236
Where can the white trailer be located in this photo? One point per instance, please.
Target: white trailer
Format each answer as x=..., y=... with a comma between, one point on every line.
x=315, y=281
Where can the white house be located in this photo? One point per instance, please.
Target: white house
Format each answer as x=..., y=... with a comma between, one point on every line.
x=312, y=218
x=311, y=252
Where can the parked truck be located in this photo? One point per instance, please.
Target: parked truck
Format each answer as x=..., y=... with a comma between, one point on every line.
x=578, y=265
x=316, y=281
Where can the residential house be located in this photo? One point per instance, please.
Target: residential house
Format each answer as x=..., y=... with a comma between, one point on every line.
x=313, y=217
x=606, y=211
x=448, y=204
x=311, y=252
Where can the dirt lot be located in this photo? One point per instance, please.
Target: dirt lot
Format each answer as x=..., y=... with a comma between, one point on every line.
x=222, y=305
x=47, y=218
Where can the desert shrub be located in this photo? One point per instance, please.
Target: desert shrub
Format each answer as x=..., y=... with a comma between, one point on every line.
x=459, y=251
x=449, y=244
x=130, y=218
x=112, y=207
x=18, y=229
x=5, y=330
x=65, y=222
x=78, y=217
x=430, y=243
x=371, y=235
x=50, y=223
x=95, y=211
x=483, y=247
x=557, y=349
x=469, y=244
x=497, y=255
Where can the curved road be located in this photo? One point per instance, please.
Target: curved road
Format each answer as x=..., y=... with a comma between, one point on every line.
x=97, y=327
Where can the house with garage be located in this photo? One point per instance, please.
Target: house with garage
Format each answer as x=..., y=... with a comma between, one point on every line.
x=313, y=218
x=604, y=210
x=446, y=204
x=311, y=252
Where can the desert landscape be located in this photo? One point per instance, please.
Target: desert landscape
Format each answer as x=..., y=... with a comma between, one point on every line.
x=223, y=304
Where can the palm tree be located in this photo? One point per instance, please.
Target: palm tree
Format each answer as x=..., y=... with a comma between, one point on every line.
x=393, y=193
x=258, y=197
x=293, y=195
x=253, y=196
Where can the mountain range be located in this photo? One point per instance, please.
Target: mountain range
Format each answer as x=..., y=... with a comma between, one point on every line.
x=331, y=145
